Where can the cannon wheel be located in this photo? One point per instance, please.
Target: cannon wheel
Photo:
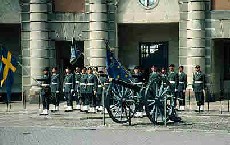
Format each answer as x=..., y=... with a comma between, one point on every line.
x=155, y=96
x=120, y=103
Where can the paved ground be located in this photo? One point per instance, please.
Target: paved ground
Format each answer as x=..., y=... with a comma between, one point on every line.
x=20, y=126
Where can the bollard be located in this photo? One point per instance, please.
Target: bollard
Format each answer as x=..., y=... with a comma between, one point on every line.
x=165, y=107
x=39, y=101
x=208, y=99
x=189, y=99
x=103, y=103
x=228, y=101
x=221, y=95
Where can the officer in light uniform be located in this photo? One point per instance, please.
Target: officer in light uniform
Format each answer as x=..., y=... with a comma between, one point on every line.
x=68, y=89
x=77, y=76
x=182, y=88
x=46, y=91
x=55, y=88
x=173, y=78
x=84, y=98
x=91, y=88
x=198, y=87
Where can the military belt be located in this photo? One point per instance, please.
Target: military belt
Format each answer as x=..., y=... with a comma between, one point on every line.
x=45, y=85
x=68, y=83
x=106, y=83
x=198, y=82
x=140, y=83
x=77, y=82
x=90, y=84
x=172, y=82
x=181, y=82
x=99, y=86
x=54, y=83
x=82, y=84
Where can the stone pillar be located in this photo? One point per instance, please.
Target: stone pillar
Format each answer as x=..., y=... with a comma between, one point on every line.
x=192, y=36
x=39, y=44
x=39, y=41
x=97, y=32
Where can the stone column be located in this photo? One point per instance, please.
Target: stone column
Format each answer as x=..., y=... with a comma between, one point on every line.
x=97, y=32
x=39, y=41
x=39, y=44
x=192, y=39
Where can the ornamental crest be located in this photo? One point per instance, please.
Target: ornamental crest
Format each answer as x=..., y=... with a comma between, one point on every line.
x=149, y=4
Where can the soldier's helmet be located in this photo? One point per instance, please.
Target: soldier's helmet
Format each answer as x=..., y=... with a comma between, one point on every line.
x=171, y=65
x=46, y=69
x=197, y=66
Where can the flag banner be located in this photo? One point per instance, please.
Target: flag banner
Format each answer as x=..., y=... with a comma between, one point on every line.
x=75, y=52
x=8, y=62
x=114, y=68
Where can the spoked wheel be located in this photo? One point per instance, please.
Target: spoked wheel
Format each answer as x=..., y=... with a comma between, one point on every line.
x=156, y=107
x=120, y=103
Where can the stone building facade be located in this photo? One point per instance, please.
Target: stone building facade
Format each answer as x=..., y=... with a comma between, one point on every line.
x=184, y=32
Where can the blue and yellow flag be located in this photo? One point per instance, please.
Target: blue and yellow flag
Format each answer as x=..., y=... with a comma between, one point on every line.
x=8, y=62
x=115, y=69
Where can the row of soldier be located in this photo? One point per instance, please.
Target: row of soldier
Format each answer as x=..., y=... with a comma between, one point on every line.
x=178, y=83
x=85, y=87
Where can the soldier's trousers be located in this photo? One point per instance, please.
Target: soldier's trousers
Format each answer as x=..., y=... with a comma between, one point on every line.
x=55, y=98
x=85, y=99
x=69, y=98
x=175, y=96
x=92, y=99
x=181, y=96
x=99, y=100
x=140, y=104
x=46, y=93
x=199, y=98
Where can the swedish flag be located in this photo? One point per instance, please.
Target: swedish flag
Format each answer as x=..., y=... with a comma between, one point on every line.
x=115, y=69
x=8, y=67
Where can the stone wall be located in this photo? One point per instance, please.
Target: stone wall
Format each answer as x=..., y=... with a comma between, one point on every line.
x=10, y=11
x=131, y=34
x=131, y=11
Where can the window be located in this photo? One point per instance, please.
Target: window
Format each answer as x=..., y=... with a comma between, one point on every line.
x=72, y=6
x=220, y=4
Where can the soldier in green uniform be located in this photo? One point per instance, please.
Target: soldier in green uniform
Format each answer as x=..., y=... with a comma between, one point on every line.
x=91, y=88
x=68, y=88
x=138, y=80
x=198, y=87
x=46, y=91
x=84, y=98
x=55, y=88
x=77, y=76
x=182, y=88
x=173, y=78
x=102, y=80
x=155, y=75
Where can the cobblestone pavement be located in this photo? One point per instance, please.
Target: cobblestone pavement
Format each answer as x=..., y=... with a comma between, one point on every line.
x=206, y=121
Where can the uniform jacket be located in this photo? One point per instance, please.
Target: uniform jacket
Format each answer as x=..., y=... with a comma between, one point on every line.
x=182, y=82
x=102, y=81
x=83, y=82
x=77, y=77
x=68, y=83
x=173, y=78
x=55, y=82
x=198, y=81
x=91, y=83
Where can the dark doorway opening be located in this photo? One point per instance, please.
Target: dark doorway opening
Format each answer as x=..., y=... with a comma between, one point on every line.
x=63, y=55
x=153, y=53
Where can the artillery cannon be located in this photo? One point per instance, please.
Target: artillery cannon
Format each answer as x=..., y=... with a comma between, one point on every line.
x=122, y=99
